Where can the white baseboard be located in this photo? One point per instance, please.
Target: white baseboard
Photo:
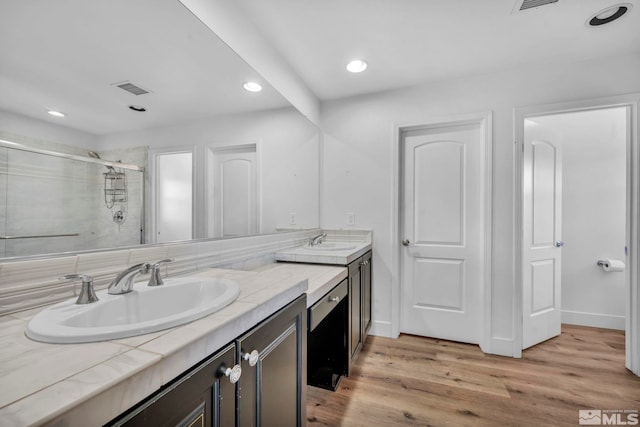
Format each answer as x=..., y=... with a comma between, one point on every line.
x=382, y=329
x=501, y=346
x=595, y=320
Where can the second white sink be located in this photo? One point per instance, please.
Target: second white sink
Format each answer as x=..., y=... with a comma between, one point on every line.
x=330, y=246
x=144, y=310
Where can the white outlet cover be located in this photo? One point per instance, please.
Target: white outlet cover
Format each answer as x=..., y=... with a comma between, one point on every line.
x=351, y=218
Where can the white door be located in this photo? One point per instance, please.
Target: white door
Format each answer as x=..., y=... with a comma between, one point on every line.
x=542, y=243
x=233, y=205
x=443, y=229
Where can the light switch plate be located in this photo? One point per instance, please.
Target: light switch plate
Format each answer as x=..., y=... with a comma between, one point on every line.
x=292, y=218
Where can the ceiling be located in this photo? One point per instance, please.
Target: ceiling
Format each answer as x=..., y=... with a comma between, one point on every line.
x=67, y=54
x=408, y=42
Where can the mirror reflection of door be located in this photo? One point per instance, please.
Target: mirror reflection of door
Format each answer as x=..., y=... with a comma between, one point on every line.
x=173, y=196
x=233, y=201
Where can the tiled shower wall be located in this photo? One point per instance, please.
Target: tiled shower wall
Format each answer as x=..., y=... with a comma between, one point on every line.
x=47, y=195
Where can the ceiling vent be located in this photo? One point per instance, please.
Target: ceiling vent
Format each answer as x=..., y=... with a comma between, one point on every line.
x=131, y=88
x=530, y=4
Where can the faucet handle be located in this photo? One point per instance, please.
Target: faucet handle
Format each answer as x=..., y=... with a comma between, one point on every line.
x=156, y=279
x=87, y=293
x=162, y=261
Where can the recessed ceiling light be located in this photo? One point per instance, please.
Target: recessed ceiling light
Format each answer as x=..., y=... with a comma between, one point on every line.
x=252, y=87
x=356, y=66
x=56, y=113
x=137, y=108
x=609, y=14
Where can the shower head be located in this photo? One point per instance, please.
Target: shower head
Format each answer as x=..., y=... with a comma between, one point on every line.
x=97, y=156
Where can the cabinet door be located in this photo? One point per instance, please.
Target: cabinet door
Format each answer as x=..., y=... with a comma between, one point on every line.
x=365, y=277
x=273, y=358
x=201, y=397
x=355, y=304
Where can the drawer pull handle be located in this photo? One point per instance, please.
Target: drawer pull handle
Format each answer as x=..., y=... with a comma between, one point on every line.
x=334, y=299
x=233, y=373
x=252, y=357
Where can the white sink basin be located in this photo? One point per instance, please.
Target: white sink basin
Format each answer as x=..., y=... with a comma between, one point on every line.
x=330, y=246
x=144, y=310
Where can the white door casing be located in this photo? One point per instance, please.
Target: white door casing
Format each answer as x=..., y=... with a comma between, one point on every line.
x=541, y=234
x=442, y=219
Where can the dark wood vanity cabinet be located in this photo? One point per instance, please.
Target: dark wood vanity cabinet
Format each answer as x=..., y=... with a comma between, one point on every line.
x=203, y=396
x=365, y=278
x=359, y=303
x=270, y=390
x=355, y=306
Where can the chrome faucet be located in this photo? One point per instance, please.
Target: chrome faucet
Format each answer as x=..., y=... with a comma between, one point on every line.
x=315, y=240
x=87, y=294
x=123, y=283
x=156, y=279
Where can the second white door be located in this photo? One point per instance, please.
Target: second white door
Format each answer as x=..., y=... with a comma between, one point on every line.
x=443, y=232
x=542, y=244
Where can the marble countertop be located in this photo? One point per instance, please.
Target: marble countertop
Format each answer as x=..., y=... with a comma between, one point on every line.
x=89, y=384
x=337, y=257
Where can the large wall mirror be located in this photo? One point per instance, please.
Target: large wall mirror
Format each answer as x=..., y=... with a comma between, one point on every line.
x=112, y=180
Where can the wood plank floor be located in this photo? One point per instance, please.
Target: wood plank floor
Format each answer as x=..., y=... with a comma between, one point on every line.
x=427, y=382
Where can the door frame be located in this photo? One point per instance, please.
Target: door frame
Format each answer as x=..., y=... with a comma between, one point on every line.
x=631, y=102
x=485, y=121
x=210, y=152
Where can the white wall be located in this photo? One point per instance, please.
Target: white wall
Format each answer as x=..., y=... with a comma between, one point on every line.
x=358, y=160
x=593, y=214
x=288, y=158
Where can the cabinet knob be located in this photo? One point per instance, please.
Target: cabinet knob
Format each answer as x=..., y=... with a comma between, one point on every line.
x=406, y=242
x=364, y=263
x=252, y=357
x=334, y=299
x=233, y=373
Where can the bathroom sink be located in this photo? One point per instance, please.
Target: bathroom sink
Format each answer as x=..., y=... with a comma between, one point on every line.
x=330, y=246
x=146, y=309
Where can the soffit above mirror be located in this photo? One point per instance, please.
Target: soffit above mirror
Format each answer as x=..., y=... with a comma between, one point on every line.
x=69, y=55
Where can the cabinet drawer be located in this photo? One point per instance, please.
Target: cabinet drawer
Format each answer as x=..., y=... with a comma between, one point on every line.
x=323, y=307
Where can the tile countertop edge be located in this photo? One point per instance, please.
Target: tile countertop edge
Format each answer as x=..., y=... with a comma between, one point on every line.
x=106, y=400
x=342, y=257
x=314, y=295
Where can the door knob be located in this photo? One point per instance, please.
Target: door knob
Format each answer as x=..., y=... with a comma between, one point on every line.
x=406, y=242
x=559, y=243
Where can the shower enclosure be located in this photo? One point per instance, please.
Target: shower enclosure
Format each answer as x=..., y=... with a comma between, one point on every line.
x=53, y=202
